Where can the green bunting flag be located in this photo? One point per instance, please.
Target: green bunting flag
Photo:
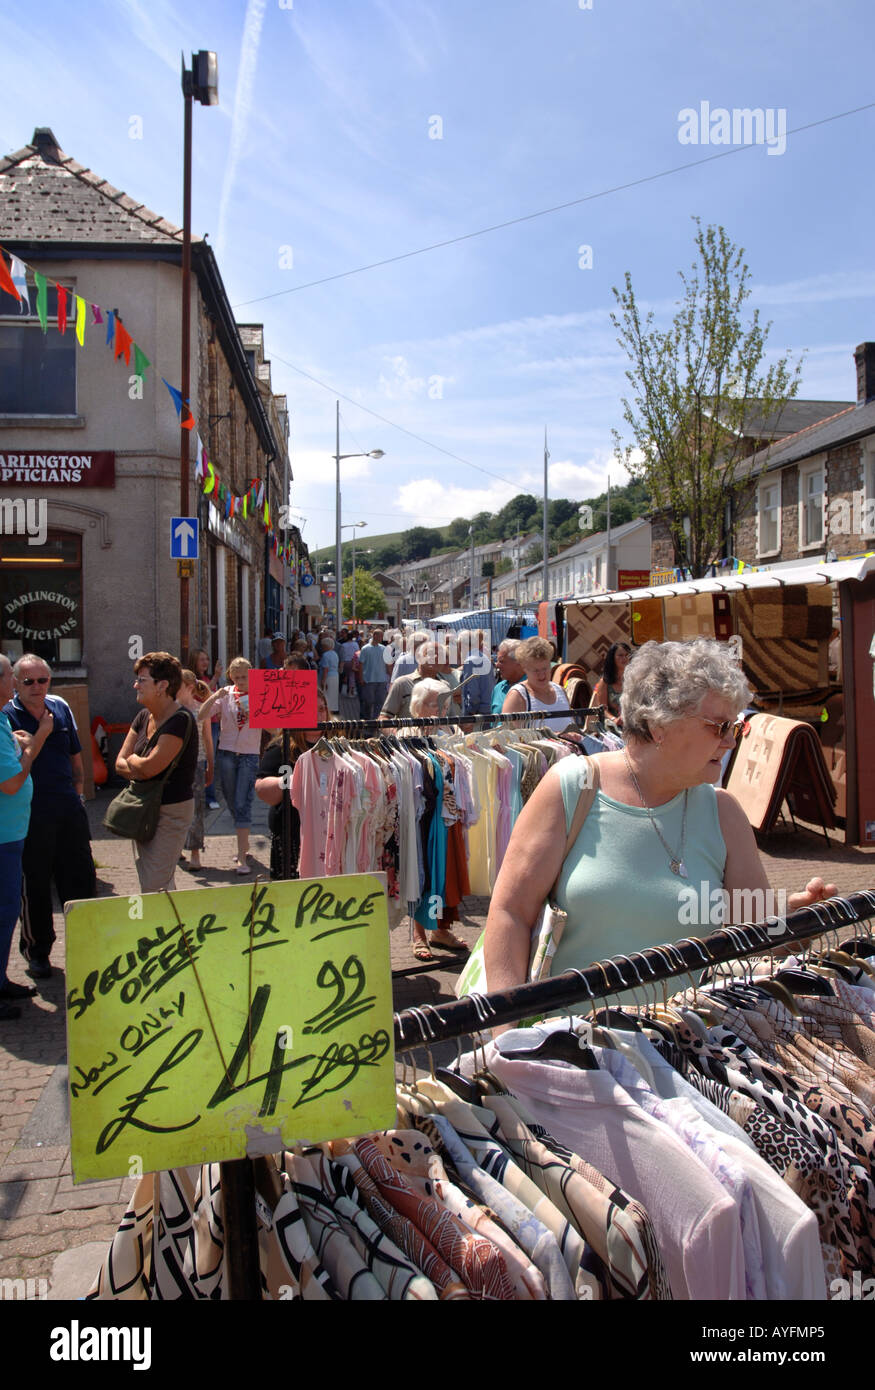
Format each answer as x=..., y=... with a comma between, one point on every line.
x=42, y=300
x=141, y=362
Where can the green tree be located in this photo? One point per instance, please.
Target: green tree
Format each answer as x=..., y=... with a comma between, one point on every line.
x=698, y=387
x=457, y=532
x=521, y=511
x=419, y=541
x=369, y=597
x=392, y=553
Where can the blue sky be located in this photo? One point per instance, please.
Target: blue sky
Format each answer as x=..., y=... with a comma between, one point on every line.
x=320, y=159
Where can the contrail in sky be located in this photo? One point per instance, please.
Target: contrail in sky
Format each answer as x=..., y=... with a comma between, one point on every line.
x=242, y=106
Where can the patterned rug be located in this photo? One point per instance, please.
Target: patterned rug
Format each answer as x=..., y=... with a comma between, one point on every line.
x=592, y=629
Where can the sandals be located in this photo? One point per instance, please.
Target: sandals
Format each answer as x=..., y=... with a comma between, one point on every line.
x=455, y=945
x=421, y=951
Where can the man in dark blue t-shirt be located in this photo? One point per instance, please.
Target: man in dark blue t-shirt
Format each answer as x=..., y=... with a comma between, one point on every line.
x=58, y=844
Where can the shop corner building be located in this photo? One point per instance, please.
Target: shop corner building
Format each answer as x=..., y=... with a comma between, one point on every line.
x=102, y=465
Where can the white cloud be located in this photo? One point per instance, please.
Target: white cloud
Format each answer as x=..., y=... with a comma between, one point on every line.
x=427, y=498
x=816, y=289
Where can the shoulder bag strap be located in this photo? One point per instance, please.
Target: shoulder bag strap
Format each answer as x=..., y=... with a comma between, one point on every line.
x=581, y=811
x=185, y=738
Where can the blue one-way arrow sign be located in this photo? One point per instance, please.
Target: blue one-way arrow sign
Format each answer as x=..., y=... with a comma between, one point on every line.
x=183, y=537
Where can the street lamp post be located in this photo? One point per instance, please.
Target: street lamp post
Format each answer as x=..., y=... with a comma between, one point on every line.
x=352, y=526
x=373, y=454
x=199, y=83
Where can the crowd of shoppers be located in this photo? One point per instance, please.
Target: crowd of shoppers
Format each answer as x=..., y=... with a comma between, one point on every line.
x=192, y=730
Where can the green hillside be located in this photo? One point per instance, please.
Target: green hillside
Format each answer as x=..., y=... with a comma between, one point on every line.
x=523, y=512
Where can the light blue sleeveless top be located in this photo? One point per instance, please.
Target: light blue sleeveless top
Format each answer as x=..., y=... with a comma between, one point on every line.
x=616, y=884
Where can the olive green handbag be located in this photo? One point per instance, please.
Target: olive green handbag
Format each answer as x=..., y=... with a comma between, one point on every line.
x=134, y=813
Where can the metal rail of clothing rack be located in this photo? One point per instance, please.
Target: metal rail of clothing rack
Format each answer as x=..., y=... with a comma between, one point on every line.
x=431, y=1023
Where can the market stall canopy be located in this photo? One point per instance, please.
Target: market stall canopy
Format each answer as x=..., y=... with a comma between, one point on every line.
x=834, y=572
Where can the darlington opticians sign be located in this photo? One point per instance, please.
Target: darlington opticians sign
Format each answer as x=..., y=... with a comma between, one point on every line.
x=58, y=470
x=41, y=615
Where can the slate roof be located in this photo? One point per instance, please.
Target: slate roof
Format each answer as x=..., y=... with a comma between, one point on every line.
x=796, y=415
x=45, y=195
x=853, y=422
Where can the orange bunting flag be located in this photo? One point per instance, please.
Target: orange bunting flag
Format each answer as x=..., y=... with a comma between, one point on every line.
x=123, y=341
x=6, y=282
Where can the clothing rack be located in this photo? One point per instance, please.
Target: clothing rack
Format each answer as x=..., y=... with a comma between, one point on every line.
x=427, y=1024
x=351, y=728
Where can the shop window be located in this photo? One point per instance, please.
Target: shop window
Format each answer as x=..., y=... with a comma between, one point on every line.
x=811, y=479
x=37, y=370
x=769, y=518
x=41, y=598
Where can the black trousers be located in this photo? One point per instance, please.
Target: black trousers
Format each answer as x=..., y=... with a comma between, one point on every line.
x=57, y=849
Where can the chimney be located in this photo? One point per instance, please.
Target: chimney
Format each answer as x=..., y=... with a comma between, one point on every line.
x=864, y=356
x=46, y=144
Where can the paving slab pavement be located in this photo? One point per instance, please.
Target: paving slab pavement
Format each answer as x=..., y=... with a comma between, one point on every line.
x=54, y=1230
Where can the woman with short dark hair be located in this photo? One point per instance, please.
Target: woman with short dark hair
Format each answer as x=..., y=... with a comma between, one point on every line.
x=162, y=733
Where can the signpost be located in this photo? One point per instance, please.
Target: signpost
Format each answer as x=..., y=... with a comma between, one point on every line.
x=183, y=538
x=220, y=1022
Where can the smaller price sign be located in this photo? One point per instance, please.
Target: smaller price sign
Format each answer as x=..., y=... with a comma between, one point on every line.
x=282, y=700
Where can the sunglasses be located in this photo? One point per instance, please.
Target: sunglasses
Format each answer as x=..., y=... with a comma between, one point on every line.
x=726, y=726
x=35, y=680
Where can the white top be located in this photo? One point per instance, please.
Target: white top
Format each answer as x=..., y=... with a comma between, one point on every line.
x=559, y=705
x=236, y=735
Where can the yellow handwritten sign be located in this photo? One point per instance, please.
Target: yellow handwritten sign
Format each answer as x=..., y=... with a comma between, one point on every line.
x=265, y=1019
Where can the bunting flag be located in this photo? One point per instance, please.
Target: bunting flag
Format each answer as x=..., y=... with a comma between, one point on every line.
x=123, y=342
x=141, y=362
x=62, y=307
x=7, y=284
x=175, y=396
x=42, y=299
x=18, y=271
x=13, y=281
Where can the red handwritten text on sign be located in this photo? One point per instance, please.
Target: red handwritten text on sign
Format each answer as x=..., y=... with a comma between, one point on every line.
x=282, y=700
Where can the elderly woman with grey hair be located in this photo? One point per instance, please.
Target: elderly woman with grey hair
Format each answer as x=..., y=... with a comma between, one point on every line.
x=659, y=824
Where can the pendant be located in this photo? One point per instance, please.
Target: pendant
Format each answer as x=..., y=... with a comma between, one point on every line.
x=678, y=866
